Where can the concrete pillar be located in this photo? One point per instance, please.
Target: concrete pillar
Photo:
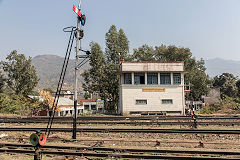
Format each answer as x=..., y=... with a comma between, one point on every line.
x=158, y=78
x=145, y=78
x=182, y=79
x=171, y=78
x=132, y=77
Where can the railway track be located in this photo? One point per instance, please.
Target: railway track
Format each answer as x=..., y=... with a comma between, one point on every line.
x=132, y=130
x=121, y=118
x=121, y=152
x=117, y=120
x=223, y=123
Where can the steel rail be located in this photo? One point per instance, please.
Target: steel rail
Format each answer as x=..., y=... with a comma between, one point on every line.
x=122, y=149
x=232, y=123
x=130, y=118
x=121, y=155
x=133, y=130
x=129, y=141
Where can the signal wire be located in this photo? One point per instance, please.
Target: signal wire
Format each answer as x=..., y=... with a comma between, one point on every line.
x=61, y=79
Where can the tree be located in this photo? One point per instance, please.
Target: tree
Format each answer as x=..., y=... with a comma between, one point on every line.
x=102, y=75
x=196, y=71
x=18, y=104
x=143, y=53
x=238, y=86
x=117, y=48
x=21, y=75
x=1, y=82
x=123, y=45
x=227, y=84
x=117, y=45
x=112, y=48
x=94, y=76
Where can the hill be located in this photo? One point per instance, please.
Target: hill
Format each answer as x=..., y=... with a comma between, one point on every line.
x=218, y=66
x=49, y=67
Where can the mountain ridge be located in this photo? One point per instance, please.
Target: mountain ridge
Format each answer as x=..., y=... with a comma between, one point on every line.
x=49, y=66
x=217, y=66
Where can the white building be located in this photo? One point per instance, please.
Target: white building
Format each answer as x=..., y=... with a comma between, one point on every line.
x=65, y=107
x=92, y=106
x=151, y=88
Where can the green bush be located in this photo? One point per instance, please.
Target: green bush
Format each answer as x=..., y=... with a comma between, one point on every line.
x=232, y=103
x=210, y=109
x=7, y=104
x=18, y=104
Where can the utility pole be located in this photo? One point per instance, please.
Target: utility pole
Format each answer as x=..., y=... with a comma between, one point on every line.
x=74, y=134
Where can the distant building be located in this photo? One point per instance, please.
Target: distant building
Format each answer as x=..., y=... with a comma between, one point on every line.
x=64, y=93
x=151, y=88
x=65, y=107
x=213, y=96
x=92, y=106
x=194, y=105
x=36, y=97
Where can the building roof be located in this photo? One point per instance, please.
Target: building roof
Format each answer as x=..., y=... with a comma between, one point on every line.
x=37, y=97
x=62, y=101
x=87, y=100
x=150, y=62
x=152, y=66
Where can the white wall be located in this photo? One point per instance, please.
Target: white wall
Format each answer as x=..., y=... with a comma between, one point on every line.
x=67, y=108
x=130, y=93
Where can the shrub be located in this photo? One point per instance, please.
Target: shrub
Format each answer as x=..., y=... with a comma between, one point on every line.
x=210, y=109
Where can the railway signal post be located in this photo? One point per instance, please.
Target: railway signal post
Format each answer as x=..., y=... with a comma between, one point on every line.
x=76, y=63
x=81, y=19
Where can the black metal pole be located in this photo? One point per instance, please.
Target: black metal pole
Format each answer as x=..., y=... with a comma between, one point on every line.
x=74, y=134
x=37, y=154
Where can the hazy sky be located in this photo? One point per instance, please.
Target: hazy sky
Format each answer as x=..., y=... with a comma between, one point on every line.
x=210, y=28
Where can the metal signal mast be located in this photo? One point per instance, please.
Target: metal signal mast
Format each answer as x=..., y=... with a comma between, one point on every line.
x=38, y=139
x=75, y=32
x=81, y=19
x=74, y=135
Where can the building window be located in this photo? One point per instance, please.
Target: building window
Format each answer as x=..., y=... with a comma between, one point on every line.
x=165, y=78
x=86, y=107
x=80, y=111
x=152, y=78
x=167, y=101
x=127, y=78
x=176, y=78
x=141, y=101
x=139, y=78
x=93, y=107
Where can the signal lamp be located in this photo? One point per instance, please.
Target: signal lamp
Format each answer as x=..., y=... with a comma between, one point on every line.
x=83, y=19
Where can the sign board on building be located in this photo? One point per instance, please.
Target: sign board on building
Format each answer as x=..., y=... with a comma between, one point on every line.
x=153, y=89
